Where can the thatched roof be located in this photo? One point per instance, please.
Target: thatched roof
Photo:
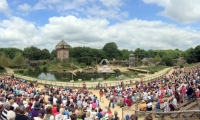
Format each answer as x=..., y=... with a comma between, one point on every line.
x=147, y=59
x=104, y=62
x=62, y=44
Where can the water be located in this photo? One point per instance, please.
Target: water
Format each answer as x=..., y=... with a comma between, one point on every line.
x=68, y=76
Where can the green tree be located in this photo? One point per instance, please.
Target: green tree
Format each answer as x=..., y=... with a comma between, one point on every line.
x=10, y=52
x=125, y=54
x=197, y=53
x=112, y=51
x=18, y=60
x=167, y=60
x=189, y=55
x=53, y=54
x=4, y=61
x=157, y=57
x=141, y=53
x=45, y=54
x=32, y=53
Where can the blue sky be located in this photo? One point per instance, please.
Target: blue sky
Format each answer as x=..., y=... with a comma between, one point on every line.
x=146, y=24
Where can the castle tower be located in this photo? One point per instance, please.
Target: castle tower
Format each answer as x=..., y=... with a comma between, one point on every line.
x=62, y=51
x=132, y=60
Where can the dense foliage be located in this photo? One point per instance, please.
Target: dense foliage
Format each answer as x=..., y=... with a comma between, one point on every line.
x=90, y=56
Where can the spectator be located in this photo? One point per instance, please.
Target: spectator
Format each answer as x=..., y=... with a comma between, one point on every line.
x=5, y=111
x=36, y=109
x=143, y=106
x=133, y=117
x=21, y=115
x=49, y=114
x=40, y=116
x=11, y=115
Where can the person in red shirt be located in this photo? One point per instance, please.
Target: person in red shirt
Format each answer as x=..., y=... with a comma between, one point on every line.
x=129, y=101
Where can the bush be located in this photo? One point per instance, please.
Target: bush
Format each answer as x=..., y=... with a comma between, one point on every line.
x=44, y=69
x=117, y=71
x=21, y=71
x=66, y=65
x=82, y=65
x=25, y=73
x=37, y=69
x=181, y=66
x=168, y=61
x=44, y=62
x=135, y=73
x=151, y=72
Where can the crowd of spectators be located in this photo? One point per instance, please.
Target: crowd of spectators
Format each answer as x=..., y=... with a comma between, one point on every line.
x=20, y=100
x=163, y=94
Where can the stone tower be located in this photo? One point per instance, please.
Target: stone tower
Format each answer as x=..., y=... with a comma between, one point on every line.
x=62, y=51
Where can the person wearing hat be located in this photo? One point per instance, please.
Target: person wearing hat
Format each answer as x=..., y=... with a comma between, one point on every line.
x=35, y=110
x=143, y=106
x=11, y=115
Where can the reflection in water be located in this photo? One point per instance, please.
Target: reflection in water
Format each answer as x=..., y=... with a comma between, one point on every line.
x=68, y=76
x=47, y=76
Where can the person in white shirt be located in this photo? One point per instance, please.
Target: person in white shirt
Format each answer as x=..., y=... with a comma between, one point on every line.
x=149, y=106
x=61, y=115
x=174, y=102
x=54, y=100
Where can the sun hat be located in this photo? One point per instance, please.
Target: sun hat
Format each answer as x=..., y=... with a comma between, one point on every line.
x=143, y=101
x=11, y=115
x=37, y=106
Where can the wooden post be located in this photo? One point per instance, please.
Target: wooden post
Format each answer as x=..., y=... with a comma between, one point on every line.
x=136, y=108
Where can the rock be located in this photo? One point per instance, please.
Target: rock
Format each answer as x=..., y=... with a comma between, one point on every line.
x=71, y=81
x=99, y=78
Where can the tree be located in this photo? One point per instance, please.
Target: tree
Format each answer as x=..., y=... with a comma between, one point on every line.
x=18, y=60
x=45, y=54
x=141, y=53
x=167, y=60
x=157, y=57
x=4, y=61
x=10, y=52
x=32, y=53
x=125, y=54
x=53, y=54
x=112, y=51
x=189, y=55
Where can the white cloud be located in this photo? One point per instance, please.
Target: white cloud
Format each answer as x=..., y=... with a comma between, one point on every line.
x=95, y=33
x=101, y=8
x=4, y=7
x=24, y=7
x=183, y=11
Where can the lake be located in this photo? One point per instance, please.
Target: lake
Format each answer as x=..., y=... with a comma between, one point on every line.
x=68, y=76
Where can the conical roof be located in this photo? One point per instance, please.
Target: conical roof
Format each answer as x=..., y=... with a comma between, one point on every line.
x=62, y=44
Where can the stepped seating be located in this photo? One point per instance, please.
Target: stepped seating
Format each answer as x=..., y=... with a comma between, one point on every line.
x=184, y=106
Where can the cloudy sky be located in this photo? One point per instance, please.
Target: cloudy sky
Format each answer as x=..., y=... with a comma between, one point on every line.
x=147, y=24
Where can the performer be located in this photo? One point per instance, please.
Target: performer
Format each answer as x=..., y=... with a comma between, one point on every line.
x=84, y=85
x=101, y=95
